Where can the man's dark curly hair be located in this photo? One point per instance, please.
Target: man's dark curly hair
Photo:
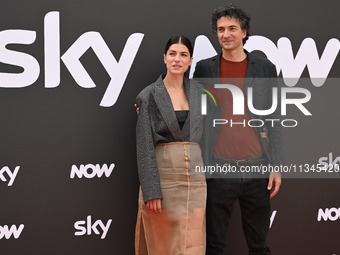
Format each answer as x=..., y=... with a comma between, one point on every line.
x=230, y=10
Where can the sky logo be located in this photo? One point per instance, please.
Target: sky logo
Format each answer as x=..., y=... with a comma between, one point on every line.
x=6, y=174
x=86, y=227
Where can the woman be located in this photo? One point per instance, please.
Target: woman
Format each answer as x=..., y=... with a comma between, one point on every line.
x=171, y=215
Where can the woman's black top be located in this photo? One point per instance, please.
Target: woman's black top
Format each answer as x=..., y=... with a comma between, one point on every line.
x=181, y=117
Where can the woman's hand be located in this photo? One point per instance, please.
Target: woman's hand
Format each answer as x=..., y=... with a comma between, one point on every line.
x=154, y=205
x=137, y=109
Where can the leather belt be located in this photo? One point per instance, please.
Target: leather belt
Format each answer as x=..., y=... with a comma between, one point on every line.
x=253, y=161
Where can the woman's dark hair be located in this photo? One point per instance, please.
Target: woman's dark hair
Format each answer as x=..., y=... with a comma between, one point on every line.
x=179, y=39
x=230, y=10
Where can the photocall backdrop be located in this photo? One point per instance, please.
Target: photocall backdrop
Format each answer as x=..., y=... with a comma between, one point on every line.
x=69, y=75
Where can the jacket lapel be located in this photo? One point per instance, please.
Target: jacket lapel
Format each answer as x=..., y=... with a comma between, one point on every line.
x=215, y=66
x=250, y=74
x=163, y=101
x=193, y=94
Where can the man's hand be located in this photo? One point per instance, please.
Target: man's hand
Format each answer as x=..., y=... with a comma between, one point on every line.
x=154, y=205
x=137, y=109
x=274, y=183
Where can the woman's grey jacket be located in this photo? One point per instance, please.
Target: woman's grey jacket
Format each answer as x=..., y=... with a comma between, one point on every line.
x=156, y=124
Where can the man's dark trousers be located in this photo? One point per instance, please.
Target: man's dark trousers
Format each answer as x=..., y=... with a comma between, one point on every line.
x=254, y=202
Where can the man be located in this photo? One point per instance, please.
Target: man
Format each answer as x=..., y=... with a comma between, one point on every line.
x=240, y=145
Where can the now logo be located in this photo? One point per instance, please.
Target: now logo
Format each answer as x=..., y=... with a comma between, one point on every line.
x=281, y=54
x=331, y=214
x=8, y=232
x=86, y=227
x=90, y=171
